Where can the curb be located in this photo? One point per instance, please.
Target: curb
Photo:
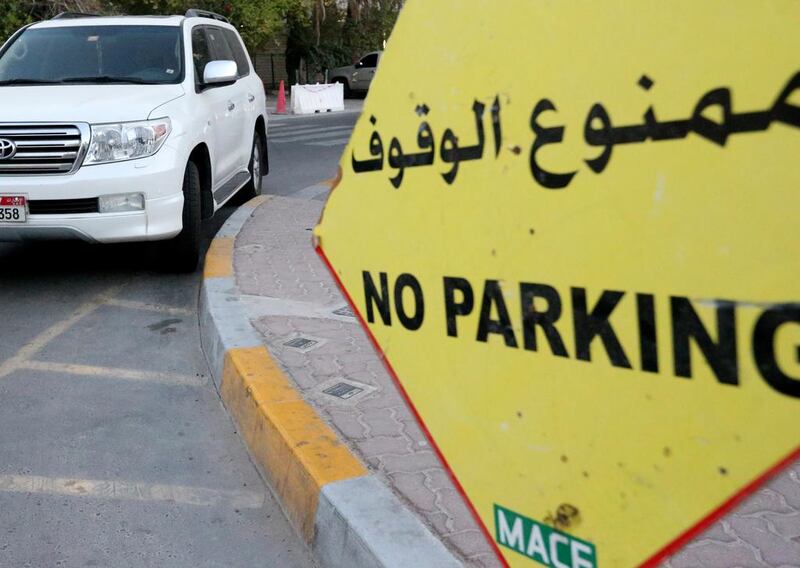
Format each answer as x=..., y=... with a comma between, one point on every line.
x=348, y=517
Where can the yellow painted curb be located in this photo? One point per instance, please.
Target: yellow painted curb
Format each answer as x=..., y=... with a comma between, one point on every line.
x=296, y=450
x=219, y=258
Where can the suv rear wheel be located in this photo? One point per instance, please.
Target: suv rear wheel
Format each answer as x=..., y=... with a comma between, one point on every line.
x=182, y=253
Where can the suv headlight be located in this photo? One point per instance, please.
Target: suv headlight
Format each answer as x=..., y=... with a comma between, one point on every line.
x=126, y=141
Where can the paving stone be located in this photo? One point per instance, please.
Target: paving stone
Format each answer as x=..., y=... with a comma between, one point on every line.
x=764, y=500
x=451, y=501
x=324, y=366
x=788, y=526
x=484, y=561
x=438, y=479
x=382, y=445
x=380, y=422
x=789, y=488
x=388, y=399
x=774, y=549
x=418, y=461
x=711, y=554
x=412, y=487
x=719, y=532
x=438, y=520
x=413, y=431
x=468, y=543
x=347, y=423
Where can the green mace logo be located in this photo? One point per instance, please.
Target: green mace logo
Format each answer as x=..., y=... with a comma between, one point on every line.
x=540, y=542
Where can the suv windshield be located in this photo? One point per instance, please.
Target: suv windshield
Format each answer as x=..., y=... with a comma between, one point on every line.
x=94, y=54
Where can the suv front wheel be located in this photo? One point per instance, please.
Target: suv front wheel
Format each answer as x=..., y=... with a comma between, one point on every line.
x=256, y=168
x=182, y=253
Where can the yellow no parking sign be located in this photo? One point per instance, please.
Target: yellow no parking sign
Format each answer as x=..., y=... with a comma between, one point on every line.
x=571, y=228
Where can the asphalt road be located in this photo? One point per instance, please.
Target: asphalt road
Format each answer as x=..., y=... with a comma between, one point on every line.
x=305, y=150
x=114, y=447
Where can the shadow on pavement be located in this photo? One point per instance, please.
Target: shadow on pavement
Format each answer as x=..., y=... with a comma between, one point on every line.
x=63, y=258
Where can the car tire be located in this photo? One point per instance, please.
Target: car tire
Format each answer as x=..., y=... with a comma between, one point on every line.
x=182, y=253
x=345, y=87
x=256, y=169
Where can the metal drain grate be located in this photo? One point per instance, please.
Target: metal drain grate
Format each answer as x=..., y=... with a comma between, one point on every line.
x=301, y=343
x=343, y=390
x=345, y=311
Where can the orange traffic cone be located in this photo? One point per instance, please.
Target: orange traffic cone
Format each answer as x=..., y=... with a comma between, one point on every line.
x=281, y=109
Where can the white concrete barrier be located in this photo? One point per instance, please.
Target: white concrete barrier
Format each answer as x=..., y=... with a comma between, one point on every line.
x=308, y=99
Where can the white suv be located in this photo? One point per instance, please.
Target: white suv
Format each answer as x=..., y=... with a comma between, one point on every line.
x=127, y=129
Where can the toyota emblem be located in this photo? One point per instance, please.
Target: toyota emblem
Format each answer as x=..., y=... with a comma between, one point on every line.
x=7, y=149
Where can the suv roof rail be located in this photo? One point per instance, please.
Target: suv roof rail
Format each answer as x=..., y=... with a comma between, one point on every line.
x=70, y=15
x=195, y=13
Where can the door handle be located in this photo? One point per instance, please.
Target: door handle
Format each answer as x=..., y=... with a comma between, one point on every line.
x=250, y=98
x=231, y=106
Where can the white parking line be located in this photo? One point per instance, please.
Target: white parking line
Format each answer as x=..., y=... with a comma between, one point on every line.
x=337, y=142
x=130, y=491
x=22, y=359
x=113, y=373
x=40, y=341
x=133, y=305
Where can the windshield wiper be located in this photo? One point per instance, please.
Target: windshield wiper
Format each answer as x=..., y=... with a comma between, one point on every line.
x=28, y=82
x=109, y=79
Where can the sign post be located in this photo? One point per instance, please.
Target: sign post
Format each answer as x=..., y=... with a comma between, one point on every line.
x=571, y=229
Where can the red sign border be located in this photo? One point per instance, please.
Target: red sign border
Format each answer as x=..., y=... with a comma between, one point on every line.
x=665, y=552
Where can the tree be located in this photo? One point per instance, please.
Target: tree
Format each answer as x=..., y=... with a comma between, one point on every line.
x=326, y=33
x=17, y=13
x=323, y=33
x=257, y=20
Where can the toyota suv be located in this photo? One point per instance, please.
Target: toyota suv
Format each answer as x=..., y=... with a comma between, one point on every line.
x=118, y=129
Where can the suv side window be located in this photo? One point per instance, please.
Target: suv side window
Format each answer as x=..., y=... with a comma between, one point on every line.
x=219, y=47
x=201, y=53
x=369, y=61
x=239, y=54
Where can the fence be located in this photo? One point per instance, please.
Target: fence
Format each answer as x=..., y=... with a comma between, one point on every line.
x=271, y=67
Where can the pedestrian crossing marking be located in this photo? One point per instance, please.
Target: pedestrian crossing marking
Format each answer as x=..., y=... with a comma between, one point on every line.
x=337, y=142
x=311, y=137
x=310, y=133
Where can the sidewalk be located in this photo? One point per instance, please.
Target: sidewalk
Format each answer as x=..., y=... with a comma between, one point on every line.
x=306, y=325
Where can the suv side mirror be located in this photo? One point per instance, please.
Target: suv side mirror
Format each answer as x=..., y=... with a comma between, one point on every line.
x=218, y=72
x=359, y=65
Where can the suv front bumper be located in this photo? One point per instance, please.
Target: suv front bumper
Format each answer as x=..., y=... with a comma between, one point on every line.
x=161, y=219
x=158, y=177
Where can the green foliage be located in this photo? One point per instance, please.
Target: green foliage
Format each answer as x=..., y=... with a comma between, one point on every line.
x=320, y=32
x=257, y=20
x=326, y=36
x=369, y=26
x=16, y=13
x=316, y=40
x=13, y=17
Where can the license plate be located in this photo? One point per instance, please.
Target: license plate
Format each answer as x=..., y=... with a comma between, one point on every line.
x=13, y=209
